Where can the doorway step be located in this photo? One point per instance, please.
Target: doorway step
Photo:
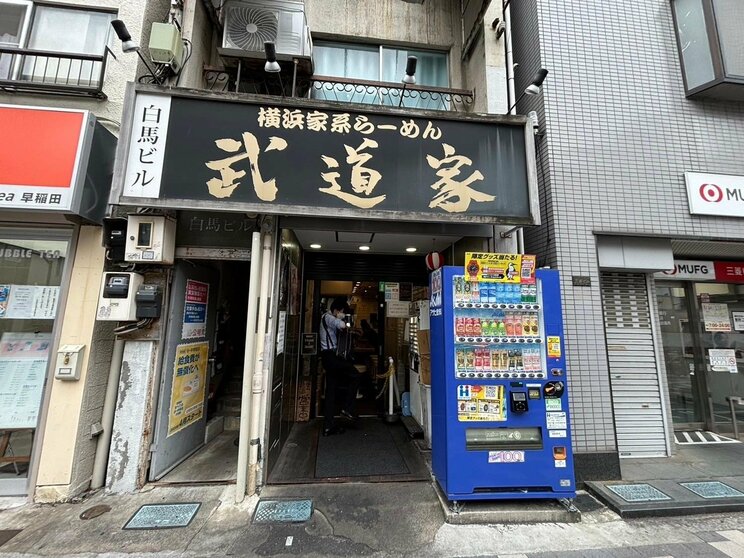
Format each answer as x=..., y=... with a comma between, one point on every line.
x=228, y=405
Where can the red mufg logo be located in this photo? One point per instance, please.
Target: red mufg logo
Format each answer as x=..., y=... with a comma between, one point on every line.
x=711, y=192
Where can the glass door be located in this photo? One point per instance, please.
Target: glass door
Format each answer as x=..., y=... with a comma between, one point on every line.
x=32, y=268
x=686, y=384
x=721, y=332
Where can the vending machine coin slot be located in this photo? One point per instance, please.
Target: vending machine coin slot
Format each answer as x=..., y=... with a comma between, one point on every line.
x=518, y=401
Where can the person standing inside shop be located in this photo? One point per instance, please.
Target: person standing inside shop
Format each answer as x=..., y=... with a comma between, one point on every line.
x=337, y=367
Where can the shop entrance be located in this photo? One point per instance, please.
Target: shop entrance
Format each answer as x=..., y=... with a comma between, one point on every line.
x=380, y=292
x=702, y=327
x=199, y=400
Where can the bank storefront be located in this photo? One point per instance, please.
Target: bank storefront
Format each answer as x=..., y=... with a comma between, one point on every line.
x=701, y=318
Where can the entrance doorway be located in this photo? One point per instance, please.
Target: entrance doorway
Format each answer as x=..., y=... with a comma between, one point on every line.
x=370, y=448
x=207, y=315
x=702, y=327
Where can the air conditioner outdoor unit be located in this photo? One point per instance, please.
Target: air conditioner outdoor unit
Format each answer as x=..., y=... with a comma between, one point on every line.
x=249, y=24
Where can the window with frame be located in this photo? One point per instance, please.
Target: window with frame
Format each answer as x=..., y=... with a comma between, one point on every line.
x=378, y=63
x=52, y=29
x=711, y=47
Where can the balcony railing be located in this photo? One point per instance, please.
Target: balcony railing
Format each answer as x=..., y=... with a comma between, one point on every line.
x=53, y=73
x=343, y=90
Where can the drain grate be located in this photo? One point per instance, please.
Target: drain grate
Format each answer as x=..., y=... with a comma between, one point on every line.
x=163, y=516
x=283, y=511
x=638, y=492
x=712, y=489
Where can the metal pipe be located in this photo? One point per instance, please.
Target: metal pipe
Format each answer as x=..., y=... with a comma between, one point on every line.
x=258, y=384
x=250, y=341
x=268, y=362
x=100, y=463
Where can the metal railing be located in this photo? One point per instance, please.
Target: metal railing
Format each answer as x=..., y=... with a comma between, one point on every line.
x=342, y=90
x=25, y=70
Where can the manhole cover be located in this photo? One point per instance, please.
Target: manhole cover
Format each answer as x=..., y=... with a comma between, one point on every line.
x=712, y=489
x=638, y=492
x=95, y=511
x=283, y=511
x=163, y=516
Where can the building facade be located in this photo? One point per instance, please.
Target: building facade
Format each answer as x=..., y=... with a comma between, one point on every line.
x=639, y=157
x=62, y=83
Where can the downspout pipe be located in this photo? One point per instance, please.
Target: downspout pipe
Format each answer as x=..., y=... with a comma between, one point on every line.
x=103, y=444
x=248, y=355
x=258, y=387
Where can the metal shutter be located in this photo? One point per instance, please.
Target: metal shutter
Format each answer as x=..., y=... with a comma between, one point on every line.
x=636, y=397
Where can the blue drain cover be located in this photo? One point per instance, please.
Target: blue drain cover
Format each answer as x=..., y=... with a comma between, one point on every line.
x=712, y=489
x=283, y=511
x=163, y=516
x=638, y=492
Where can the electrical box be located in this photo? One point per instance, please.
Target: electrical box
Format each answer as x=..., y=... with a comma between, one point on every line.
x=69, y=362
x=150, y=239
x=149, y=299
x=116, y=302
x=166, y=46
x=115, y=237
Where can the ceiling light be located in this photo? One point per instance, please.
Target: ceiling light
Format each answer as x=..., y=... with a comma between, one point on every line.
x=411, y=249
x=316, y=246
x=364, y=248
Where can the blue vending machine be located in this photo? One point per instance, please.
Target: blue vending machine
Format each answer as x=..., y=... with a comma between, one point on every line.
x=500, y=419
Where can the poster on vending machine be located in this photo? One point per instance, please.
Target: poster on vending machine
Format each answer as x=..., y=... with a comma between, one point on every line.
x=480, y=403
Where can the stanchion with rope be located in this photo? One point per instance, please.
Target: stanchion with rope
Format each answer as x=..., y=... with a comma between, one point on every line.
x=391, y=385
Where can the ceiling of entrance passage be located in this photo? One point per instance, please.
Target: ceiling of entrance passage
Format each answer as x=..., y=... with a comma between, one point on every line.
x=379, y=243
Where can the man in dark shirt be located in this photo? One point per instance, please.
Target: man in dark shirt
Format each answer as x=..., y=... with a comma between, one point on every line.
x=336, y=367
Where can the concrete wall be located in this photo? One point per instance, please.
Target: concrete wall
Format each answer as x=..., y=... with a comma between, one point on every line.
x=197, y=28
x=64, y=466
x=619, y=136
x=484, y=68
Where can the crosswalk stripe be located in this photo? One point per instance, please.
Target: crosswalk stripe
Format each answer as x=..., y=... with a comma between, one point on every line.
x=729, y=548
x=733, y=535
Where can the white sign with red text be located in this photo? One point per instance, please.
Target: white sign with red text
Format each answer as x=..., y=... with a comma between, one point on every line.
x=715, y=194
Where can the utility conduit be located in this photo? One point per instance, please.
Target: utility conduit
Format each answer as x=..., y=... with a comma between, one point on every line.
x=250, y=342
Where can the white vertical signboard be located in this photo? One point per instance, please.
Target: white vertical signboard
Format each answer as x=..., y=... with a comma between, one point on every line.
x=147, y=146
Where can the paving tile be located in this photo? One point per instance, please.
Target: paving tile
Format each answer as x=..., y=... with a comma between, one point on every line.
x=710, y=536
x=624, y=552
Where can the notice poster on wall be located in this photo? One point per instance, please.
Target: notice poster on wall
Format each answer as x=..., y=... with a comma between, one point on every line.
x=189, y=386
x=716, y=317
x=281, y=332
x=723, y=360
x=397, y=309
x=494, y=268
x=23, y=364
x=27, y=302
x=195, y=310
x=738, y=320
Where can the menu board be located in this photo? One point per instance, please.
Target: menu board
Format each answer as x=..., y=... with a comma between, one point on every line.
x=23, y=364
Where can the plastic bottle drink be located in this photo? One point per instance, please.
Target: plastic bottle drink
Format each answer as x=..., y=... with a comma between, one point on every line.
x=477, y=327
x=501, y=327
x=518, y=330
x=509, y=324
x=465, y=291
x=499, y=293
x=458, y=289
x=475, y=292
x=460, y=327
